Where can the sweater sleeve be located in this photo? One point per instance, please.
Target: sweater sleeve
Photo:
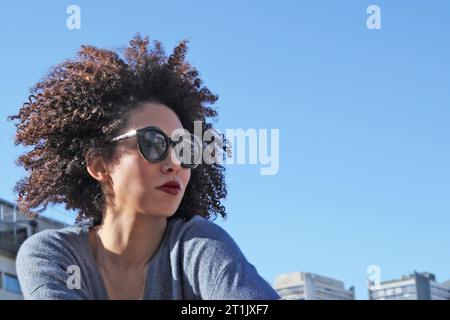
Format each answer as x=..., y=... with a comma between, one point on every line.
x=216, y=267
x=44, y=269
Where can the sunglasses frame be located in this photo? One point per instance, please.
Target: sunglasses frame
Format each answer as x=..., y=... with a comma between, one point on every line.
x=139, y=134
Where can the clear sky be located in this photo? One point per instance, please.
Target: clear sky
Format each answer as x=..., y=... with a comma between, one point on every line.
x=364, y=174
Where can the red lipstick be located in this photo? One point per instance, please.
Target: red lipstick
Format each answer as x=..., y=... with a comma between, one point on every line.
x=170, y=187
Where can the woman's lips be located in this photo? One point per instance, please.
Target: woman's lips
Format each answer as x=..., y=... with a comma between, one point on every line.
x=169, y=190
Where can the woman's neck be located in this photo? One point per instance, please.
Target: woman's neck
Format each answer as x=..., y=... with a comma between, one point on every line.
x=130, y=239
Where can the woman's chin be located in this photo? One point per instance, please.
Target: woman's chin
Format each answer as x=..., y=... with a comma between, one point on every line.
x=163, y=213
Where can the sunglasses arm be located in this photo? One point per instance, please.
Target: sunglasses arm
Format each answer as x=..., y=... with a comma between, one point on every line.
x=124, y=136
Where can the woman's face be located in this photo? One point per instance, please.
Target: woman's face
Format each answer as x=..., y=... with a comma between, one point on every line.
x=134, y=179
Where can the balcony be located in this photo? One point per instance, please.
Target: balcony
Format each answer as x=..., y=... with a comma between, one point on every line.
x=12, y=235
x=15, y=228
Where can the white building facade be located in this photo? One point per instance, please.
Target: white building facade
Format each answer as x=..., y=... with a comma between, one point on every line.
x=416, y=286
x=310, y=286
x=14, y=229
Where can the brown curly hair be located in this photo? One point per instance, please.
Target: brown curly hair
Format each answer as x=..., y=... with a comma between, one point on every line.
x=83, y=102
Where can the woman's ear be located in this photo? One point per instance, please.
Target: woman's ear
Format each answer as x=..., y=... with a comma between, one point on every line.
x=96, y=167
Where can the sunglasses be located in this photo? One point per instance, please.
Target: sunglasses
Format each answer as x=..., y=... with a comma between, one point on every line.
x=154, y=145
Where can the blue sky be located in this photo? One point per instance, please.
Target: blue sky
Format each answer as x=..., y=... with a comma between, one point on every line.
x=363, y=116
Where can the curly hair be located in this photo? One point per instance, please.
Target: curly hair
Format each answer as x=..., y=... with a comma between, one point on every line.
x=84, y=101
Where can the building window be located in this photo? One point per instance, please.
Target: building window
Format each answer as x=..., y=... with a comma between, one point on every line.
x=21, y=235
x=11, y=283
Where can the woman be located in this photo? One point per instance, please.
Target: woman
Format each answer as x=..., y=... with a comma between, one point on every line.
x=113, y=140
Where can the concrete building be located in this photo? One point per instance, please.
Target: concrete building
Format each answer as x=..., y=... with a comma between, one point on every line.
x=416, y=286
x=310, y=286
x=14, y=229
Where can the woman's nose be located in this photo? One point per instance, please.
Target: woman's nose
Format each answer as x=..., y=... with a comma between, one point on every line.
x=172, y=162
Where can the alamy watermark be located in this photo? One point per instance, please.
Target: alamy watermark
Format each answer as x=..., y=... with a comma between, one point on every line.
x=373, y=273
x=373, y=22
x=74, y=19
x=236, y=146
x=74, y=279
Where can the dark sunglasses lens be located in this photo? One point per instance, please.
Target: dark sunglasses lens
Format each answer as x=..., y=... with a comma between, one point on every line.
x=153, y=144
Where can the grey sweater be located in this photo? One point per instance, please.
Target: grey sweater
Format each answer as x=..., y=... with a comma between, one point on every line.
x=196, y=259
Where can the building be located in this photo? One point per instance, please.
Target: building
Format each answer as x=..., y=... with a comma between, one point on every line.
x=416, y=286
x=310, y=286
x=14, y=229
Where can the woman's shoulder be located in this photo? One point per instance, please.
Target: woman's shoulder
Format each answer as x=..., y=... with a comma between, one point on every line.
x=214, y=264
x=51, y=241
x=66, y=234
x=43, y=262
x=199, y=238
x=198, y=228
